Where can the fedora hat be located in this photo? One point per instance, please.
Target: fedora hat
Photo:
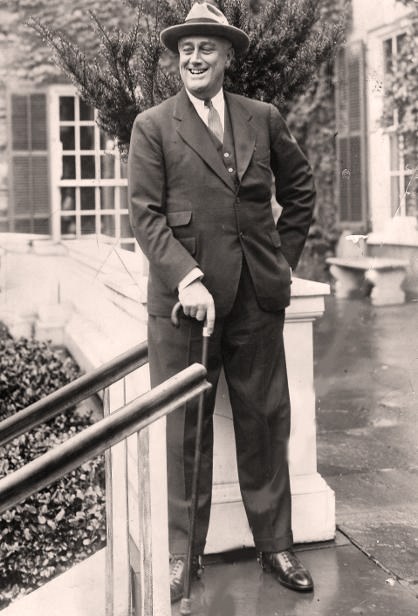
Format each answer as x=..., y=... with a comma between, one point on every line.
x=204, y=19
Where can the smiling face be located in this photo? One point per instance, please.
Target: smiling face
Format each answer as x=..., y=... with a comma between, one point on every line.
x=202, y=62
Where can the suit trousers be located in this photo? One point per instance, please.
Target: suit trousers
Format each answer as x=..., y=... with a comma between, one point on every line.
x=248, y=343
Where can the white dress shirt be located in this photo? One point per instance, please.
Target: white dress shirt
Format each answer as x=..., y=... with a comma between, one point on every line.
x=218, y=102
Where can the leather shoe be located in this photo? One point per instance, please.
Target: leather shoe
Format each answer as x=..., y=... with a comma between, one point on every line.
x=178, y=574
x=287, y=569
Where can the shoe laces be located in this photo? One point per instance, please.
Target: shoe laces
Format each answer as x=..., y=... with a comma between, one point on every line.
x=288, y=560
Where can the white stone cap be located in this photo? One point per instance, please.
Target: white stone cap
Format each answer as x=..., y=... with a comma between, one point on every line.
x=309, y=288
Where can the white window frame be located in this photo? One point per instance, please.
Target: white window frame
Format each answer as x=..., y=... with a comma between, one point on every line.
x=405, y=176
x=57, y=182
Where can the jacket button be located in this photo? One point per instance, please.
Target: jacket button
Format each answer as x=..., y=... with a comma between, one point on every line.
x=230, y=169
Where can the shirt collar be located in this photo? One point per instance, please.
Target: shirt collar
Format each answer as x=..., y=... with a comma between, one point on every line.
x=218, y=102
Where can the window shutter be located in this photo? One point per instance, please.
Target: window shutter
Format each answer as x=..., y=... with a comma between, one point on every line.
x=351, y=136
x=30, y=200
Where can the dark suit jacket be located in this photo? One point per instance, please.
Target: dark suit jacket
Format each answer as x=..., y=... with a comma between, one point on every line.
x=186, y=210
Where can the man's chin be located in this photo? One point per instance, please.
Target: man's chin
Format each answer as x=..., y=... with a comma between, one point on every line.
x=199, y=92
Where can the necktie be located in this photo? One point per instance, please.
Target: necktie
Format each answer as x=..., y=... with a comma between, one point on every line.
x=214, y=121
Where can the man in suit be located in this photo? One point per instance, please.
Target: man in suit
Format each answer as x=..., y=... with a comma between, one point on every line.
x=200, y=182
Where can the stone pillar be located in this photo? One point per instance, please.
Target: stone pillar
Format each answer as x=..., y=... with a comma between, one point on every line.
x=313, y=501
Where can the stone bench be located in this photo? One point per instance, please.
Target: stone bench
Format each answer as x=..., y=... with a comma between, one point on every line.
x=384, y=274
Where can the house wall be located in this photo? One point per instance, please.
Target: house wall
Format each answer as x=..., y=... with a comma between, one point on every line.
x=371, y=14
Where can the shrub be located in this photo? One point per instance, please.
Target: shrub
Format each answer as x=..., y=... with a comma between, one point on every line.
x=65, y=522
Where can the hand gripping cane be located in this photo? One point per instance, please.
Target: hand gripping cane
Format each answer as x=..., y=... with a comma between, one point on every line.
x=185, y=606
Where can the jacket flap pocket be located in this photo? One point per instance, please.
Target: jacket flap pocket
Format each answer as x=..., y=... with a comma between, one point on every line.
x=177, y=219
x=275, y=238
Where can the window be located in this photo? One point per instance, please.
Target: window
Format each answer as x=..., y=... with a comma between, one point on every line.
x=403, y=168
x=403, y=178
x=91, y=178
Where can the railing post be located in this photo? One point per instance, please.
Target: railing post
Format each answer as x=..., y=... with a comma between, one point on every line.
x=118, y=598
x=138, y=546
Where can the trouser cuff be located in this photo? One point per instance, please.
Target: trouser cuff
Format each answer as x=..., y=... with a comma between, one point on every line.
x=274, y=544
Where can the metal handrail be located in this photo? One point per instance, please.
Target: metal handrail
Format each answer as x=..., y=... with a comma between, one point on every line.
x=136, y=415
x=73, y=393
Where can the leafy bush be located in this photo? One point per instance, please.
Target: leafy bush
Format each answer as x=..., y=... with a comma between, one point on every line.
x=65, y=522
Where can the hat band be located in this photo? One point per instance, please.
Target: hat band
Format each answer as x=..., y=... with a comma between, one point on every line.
x=205, y=20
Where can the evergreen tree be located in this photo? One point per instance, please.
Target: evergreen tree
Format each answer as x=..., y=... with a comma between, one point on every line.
x=131, y=71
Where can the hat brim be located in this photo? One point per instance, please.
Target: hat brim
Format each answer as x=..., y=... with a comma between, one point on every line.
x=171, y=36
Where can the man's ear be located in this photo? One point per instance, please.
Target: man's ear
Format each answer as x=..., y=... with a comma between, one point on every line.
x=229, y=57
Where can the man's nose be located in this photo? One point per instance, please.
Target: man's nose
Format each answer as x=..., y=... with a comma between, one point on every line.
x=195, y=57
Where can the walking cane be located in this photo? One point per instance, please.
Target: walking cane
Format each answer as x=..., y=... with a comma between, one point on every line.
x=185, y=605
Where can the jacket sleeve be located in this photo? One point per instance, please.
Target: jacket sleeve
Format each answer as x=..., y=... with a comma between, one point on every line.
x=295, y=190
x=147, y=204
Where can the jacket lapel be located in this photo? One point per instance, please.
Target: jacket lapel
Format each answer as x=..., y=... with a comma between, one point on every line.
x=193, y=132
x=243, y=131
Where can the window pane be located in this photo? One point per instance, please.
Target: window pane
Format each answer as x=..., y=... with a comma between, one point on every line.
x=87, y=198
x=87, y=167
x=107, y=225
x=88, y=225
x=123, y=169
x=86, y=112
x=387, y=55
x=87, y=137
x=409, y=152
x=68, y=167
x=400, y=42
x=107, y=198
x=66, y=108
x=394, y=153
x=394, y=194
x=411, y=197
x=107, y=166
x=68, y=226
x=67, y=136
x=123, y=191
x=68, y=198
x=106, y=142
x=125, y=227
